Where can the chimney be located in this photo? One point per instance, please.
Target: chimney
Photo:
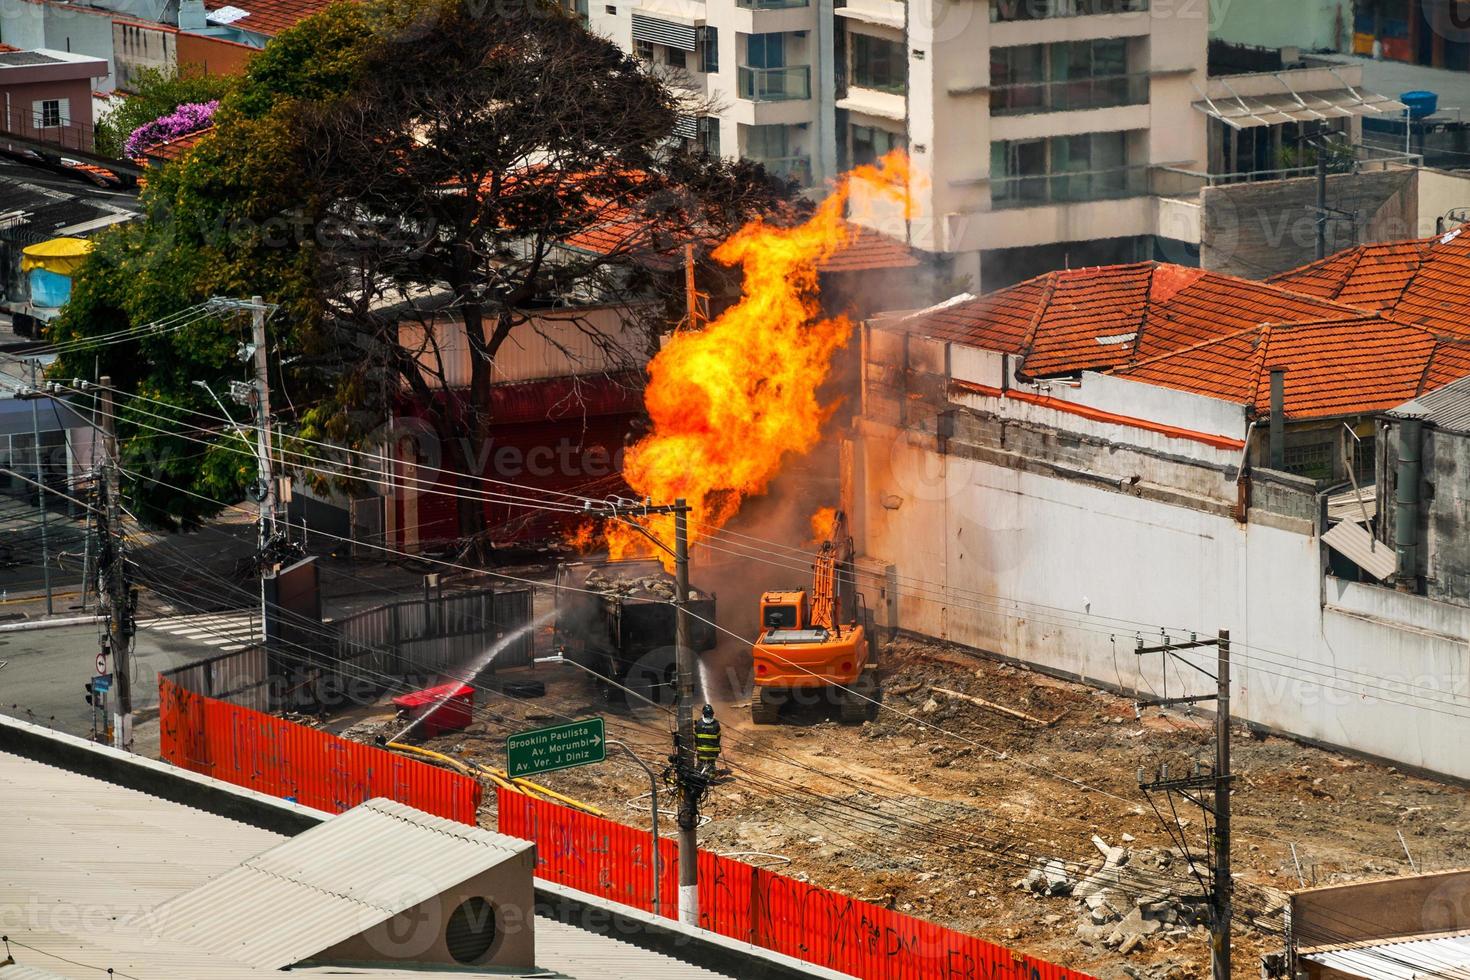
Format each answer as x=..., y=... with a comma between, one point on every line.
x=1406, y=504
x=191, y=15
x=1278, y=418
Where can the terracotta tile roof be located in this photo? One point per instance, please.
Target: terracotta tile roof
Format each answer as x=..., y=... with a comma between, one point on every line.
x=161, y=153
x=1213, y=305
x=1438, y=296
x=1334, y=367
x=999, y=321
x=270, y=17
x=1370, y=277
x=1091, y=320
x=1101, y=318
x=867, y=251
x=1451, y=362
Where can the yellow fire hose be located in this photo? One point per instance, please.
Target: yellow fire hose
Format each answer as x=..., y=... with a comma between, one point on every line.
x=497, y=776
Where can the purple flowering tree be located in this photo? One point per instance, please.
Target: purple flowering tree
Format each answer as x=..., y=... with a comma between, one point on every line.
x=187, y=118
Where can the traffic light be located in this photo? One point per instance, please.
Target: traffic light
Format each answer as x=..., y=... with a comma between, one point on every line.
x=90, y=695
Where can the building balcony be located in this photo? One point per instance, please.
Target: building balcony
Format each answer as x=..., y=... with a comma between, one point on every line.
x=797, y=168
x=1104, y=92
x=1027, y=191
x=775, y=84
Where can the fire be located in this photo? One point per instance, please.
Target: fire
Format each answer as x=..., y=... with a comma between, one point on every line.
x=730, y=401
x=584, y=537
x=824, y=522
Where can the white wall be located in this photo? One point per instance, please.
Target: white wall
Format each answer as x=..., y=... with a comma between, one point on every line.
x=1039, y=568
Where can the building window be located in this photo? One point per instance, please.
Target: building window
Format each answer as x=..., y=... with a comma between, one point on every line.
x=709, y=135
x=48, y=113
x=765, y=50
x=869, y=143
x=675, y=58
x=1060, y=169
x=643, y=50
x=709, y=51
x=1003, y=10
x=878, y=64
x=1364, y=453
x=1312, y=460
x=1067, y=75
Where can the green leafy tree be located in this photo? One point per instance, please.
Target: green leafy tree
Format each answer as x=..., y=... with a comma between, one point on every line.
x=157, y=93
x=395, y=160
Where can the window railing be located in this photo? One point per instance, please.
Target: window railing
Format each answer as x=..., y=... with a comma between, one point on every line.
x=1084, y=185
x=798, y=168
x=771, y=4
x=1101, y=92
x=775, y=84
x=890, y=86
x=1005, y=10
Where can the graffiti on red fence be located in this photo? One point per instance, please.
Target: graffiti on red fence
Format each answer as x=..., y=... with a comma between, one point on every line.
x=818, y=926
x=312, y=767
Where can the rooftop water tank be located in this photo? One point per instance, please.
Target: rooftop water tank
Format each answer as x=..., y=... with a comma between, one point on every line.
x=1421, y=104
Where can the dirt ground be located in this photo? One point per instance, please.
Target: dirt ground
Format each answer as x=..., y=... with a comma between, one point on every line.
x=938, y=806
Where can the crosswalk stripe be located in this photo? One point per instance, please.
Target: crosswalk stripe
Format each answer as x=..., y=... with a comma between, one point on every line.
x=225, y=631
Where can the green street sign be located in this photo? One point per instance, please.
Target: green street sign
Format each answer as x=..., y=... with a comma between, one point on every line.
x=576, y=743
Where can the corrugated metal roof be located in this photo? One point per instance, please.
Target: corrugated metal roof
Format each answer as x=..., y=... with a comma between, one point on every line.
x=1353, y=505
x=1353, y=542
x=1445, y=408
x=88, y=863
x=324, y=886
x=1445, y=958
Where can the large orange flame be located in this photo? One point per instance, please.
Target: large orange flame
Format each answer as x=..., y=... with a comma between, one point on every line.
x=730, y=401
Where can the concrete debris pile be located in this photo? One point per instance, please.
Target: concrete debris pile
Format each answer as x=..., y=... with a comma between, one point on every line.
x=1129, y=897
x=660, y=587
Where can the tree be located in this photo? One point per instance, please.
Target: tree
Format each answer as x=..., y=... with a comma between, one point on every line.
x=157, y=93
x=408, y=159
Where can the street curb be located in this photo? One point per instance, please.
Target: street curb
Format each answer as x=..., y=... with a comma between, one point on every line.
x=40, y=624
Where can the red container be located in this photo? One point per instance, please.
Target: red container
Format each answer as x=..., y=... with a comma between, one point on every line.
x=446, y=708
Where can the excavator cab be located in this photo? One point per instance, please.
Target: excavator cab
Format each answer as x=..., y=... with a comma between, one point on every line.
x=816, y=640
x=783, y=611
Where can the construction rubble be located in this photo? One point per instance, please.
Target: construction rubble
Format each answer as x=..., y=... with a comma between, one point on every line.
x=1129, y=897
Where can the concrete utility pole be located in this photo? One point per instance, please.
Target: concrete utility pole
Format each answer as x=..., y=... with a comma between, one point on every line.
x=40, y=482
x=1216, y=783
x=689, y=791
x=112, y=565
x=263, y=421
x=690, y=781
x=1321, y=149
x=1220, y=924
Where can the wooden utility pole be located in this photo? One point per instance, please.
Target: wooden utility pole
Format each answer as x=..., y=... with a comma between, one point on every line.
x=112, y=566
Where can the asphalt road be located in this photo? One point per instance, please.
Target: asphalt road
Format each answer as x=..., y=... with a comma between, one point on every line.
x=45, y=672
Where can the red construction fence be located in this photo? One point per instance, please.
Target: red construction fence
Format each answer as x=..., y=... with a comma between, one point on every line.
x=288, y=760
x=812, y=924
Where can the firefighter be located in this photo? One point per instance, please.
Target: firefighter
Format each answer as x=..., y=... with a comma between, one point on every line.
x=707, y=740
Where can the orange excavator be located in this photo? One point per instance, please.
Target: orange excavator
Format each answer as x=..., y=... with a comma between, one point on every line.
x=819, y=642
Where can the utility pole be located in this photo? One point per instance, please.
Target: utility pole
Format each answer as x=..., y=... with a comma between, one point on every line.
x=1220, y=926
x=691, y=785
x=689, y=780
x=1321, y=149
x=691, y=297
x=263, y=421
x=40, y=481
x=112, y=566
x=1193, y=786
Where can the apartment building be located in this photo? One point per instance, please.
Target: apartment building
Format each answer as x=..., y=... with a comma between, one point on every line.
x=1031, y=124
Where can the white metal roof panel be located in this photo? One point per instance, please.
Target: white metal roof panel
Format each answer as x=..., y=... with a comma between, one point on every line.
x=1444, y=958
x=1354, y=542
x=99, y=853
x=332, y=882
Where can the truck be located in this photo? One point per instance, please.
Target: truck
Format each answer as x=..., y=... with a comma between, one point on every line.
x=617, y=618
